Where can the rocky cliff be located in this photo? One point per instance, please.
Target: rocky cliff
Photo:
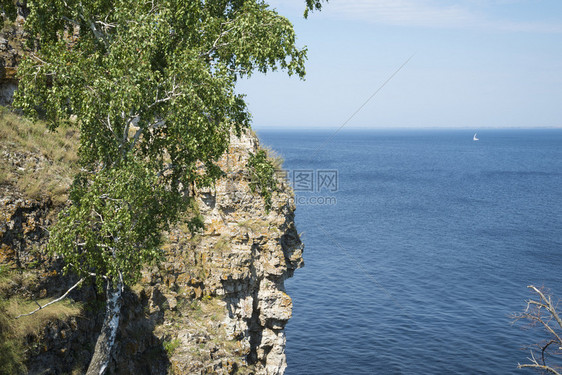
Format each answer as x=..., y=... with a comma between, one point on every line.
x=12, y=46
x=215, y=304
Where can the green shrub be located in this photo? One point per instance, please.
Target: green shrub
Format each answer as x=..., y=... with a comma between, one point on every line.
x=262, y=173
x=171, y=346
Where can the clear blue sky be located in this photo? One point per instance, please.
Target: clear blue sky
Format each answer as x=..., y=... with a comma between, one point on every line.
x=477, y=64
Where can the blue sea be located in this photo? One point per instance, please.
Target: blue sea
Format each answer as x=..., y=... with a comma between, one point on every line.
x=420, y=244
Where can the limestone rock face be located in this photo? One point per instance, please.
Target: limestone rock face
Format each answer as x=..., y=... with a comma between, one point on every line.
x=216, y=304
x=243, y=257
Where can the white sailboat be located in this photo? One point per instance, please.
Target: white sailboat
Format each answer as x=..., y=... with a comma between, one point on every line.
x=475, y=138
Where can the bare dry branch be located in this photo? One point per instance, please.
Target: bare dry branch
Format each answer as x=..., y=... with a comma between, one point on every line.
x=542, y=311
x=53, y=301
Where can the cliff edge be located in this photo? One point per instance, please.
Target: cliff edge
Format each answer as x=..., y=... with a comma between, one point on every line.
x=215, y=304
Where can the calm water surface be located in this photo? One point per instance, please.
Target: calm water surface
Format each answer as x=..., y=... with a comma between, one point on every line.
x=428, y=250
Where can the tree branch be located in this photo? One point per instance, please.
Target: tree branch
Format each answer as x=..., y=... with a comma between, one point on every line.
x=533, y=313
x=538, y=366
x=53, y=301
x=550, y=307
x=215, y=45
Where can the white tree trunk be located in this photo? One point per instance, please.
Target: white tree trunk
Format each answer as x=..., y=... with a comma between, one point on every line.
x=106, y=339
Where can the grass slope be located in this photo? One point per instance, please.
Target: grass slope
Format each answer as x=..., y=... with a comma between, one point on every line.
x=37, y=161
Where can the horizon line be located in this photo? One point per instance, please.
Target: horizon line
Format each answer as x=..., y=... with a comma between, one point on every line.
x=356, y=128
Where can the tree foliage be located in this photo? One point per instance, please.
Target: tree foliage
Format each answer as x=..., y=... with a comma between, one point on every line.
x=156, y=78
x=312, y=5
x=151, y=85
x=115, y=222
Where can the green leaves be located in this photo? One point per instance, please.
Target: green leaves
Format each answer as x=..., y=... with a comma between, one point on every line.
x=155, y=77
x=258, y=39
x=151, y=85
x=312, y=5
x=115, y=221
x=262, y=173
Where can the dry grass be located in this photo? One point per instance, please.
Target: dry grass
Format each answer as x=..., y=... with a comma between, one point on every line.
x=38, y=161
x=16, y=305
x=11, y=278
x=13, y=332
x=35, y=137
x=274, y=157
x=223, y=244
x=34, y=324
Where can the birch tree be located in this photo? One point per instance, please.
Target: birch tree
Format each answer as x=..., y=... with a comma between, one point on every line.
x=151, y=86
